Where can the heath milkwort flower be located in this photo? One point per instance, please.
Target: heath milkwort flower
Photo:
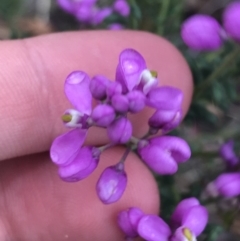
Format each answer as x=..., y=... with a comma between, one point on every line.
x=228, y=155
x=88, y=11
x=188, y=220
x=167, y=101
x=202, y=32
x=163, y=154
x=135, y=87
x=112, y=183
x=225, y=185
x=231, y=20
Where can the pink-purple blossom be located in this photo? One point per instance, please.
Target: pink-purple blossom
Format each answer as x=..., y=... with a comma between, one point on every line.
x=202, y=32
x=231, y=20
x=112, y=184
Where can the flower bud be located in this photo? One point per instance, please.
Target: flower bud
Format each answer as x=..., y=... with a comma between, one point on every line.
x=226, y=185
x=165, y=98
x=112, y=184
x=136, y=101
x=113, y=88
x=153, y=228
x=128, y=221
x=83, y=12
x=165, y=119
x=120, y=103
x=228, y=154
x=202, y=32
x=231, y=20
x=98, y=87
x=84, y=163
x=103, y=115
x=122, y=7
x=162, y=154
x=120, y=131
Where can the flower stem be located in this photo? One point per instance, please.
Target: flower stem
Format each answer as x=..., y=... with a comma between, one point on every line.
x=124, y=157
x=215, y=74
x=105, y=147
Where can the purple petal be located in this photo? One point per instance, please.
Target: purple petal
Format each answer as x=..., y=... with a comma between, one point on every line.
x=84, y=163
x=136, y=101
x=120, y=131
x=65, y=147
x=66, y=5
x=115, y=26
x=120, y=103
x=153, y=228
x=196, y=219
x=165, y=98
x=177, y=148
x=122, y=7
x=202, y=32
x=228, y=154
x=84, y=12
x=131, y=65
x=180, y=210
x=158, y=159
x=98, y=87
x=103, y=115
x=231, y=20
x=125, y=224
x=112, y=184
x=78, y=92
x=226, y=185
x=114, y=88
x=135, y=214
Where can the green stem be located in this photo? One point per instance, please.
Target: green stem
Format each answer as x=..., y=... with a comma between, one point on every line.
x=124, y=157
x=215, y=74
x=162, y=16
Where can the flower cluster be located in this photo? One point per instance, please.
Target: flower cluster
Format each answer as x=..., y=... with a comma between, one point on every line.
x=187, y=222
x=135, y=87
x=204, y=33
x=227, y=184
x=91, y=12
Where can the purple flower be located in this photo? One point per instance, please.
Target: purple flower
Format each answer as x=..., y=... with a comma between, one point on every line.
x=165, y=98
x=228, y=154
x=165, y=119
x=120, y=103
x=153, y=228
x=163, y=154
x=115, y=26
x=84, y=163
x=226, y=185
x=84, y=12
x=128, y=221
x=65, y=147
x=202, y=32
x=112, y=184
x=231, y=20
x=130, y=69
x=98, y=87
x=122, y=7
x=113, y=88
x=191, y=218
x=120, y=131
x=136, y=101
x=103, y=115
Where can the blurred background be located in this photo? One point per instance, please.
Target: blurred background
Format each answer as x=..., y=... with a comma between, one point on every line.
x=214, y=116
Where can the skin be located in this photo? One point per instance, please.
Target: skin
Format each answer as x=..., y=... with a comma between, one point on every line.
x=34, y=203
